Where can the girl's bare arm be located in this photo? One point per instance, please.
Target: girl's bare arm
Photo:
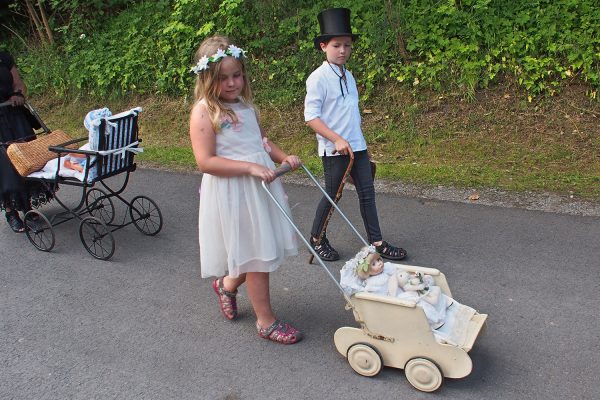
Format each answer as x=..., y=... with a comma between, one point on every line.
x=203, y=138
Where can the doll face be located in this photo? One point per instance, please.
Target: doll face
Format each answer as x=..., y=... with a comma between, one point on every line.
x=375, y=266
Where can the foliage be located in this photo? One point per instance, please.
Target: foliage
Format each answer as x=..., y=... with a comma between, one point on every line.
x=454, y=46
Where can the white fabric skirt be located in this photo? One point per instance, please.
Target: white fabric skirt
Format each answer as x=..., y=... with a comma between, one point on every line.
x=241, y=229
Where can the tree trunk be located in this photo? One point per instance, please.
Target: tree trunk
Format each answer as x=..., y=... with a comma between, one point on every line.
x=45, y=21
x=36, y=21
x=396, y=28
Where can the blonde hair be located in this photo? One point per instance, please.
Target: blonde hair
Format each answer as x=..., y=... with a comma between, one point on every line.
x=208, y=83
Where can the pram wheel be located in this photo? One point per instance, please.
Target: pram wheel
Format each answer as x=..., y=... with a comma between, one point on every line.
x=96, y=238
x=423, y=374
x=99, y=205
x=39, y=230
x=146, y=215
x=364, y=359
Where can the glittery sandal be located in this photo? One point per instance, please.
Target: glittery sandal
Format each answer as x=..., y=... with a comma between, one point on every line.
x=280, y=332
x=227, y=300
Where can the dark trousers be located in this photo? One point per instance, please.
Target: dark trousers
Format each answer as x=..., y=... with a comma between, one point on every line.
x=334, y=168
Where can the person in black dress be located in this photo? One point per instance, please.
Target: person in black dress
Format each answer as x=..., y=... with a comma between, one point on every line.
x=16, y=194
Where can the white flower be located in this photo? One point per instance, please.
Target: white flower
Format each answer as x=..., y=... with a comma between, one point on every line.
x=82, y=36
x=201, y=66
x=218, y=55
x=204, y=62
x=235, y=51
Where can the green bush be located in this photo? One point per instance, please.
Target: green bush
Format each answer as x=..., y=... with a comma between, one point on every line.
x=453, y=46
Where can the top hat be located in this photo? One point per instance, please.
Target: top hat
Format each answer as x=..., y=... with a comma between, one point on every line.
x=334, y=22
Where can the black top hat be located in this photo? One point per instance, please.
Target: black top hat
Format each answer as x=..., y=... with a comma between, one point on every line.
x=334, y=22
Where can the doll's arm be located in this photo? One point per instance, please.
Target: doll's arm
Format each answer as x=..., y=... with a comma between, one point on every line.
x=433, y=295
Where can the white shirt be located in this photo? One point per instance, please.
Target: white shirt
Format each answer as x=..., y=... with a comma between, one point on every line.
x=324, y=100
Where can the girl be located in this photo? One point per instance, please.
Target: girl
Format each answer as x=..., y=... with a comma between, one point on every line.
x=243, y=235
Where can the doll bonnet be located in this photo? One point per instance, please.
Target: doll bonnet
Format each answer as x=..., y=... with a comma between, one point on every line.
x=334, y=22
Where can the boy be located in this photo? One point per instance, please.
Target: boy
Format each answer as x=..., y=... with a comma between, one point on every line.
x=331, y=110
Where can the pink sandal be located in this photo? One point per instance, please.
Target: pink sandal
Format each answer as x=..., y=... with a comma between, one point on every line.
x=227, y=300
x=280, y=332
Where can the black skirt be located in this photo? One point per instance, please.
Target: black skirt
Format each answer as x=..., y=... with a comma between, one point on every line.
x=15, y=192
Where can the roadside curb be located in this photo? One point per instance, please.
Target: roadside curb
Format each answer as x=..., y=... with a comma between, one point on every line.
x=535, y=201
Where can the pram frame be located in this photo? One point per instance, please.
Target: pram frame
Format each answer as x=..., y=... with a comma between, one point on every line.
x=96, y=230
x=399, y=334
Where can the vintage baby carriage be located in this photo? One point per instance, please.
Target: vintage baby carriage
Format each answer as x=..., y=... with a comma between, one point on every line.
x=112, y=153
x=395, y=332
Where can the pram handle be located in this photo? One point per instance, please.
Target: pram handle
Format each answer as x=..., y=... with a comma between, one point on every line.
x=283, y=168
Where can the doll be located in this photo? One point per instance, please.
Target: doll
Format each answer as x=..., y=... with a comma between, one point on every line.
x=421, y=289
x=375, y=274
x=365, y=272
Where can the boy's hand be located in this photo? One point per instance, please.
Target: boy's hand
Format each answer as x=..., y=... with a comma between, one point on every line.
x=343, y=147
x=293, y=161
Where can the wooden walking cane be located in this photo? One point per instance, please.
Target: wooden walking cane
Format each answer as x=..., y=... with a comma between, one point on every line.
x=338, y=196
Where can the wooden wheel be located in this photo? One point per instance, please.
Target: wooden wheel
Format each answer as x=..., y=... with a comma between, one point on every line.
x=364, y=360
x=423, y=374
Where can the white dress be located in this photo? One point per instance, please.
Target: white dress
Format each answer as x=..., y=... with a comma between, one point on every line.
x=241, y=229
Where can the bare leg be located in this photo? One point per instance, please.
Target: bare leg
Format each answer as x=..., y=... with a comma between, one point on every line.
x=231, y=284
x=258, y=291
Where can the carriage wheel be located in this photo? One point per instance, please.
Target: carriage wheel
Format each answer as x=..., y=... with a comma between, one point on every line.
x=99, y=205
x=39, y=230
x=96, y=238
x=364, y=360
x=423, y=374
x=146, y=215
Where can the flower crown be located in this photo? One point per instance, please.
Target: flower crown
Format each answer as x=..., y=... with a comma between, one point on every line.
x=359, y=262
x=232, y=51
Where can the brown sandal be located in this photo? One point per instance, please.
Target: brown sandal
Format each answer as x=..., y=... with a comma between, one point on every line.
x=227, y=300
x=280, y=332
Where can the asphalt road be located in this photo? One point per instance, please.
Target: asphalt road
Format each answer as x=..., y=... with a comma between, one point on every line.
x=145, y=326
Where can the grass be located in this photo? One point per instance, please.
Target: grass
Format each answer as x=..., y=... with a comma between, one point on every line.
x=497, y=139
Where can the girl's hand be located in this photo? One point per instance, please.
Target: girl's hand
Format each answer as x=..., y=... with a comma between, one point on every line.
x=343, y=147
x=293, y=161
x=263, y=173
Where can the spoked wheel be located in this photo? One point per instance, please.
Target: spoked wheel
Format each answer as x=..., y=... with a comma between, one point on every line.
x=364, y=360
x=99, y=205
x=96, y=238
x=39, y=230
x=146, y=215
x=423, y=374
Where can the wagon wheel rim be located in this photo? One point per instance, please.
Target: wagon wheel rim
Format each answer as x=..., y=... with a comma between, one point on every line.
x=364, y=360
x=145, y=215
x=40, y=233
x=423, y=374
x=97, y=239
x=100, y=205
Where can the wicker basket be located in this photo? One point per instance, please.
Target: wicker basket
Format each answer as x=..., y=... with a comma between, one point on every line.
x=31, y=156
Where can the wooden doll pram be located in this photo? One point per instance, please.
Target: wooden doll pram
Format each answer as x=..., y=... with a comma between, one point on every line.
x=117, y=143
x=393, y=332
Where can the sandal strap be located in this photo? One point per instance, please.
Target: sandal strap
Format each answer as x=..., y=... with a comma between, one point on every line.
x=280, y=332
x=386, y=249
x=222, y=290
x=227, y=300
x=324, y=249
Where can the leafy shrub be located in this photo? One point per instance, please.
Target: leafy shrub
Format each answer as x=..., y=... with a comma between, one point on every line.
x=451, y=45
